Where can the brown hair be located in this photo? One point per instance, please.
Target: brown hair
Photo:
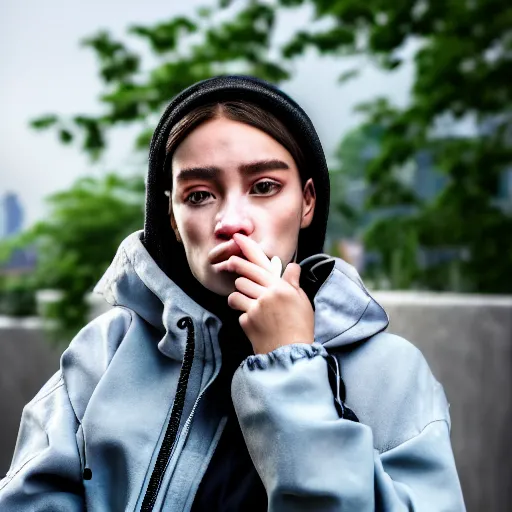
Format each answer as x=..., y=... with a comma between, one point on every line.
x=243, y=112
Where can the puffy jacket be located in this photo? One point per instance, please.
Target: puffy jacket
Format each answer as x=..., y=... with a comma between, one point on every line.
x=126, y=423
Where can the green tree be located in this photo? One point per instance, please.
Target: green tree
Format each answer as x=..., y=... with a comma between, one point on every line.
x=17, y=295
x=75, y=245
x=347, y=170
x=85, y=224
x=462, y=73
x=182, y=51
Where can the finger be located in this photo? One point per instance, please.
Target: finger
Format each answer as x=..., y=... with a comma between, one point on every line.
x=239, y=301
x=277, y=266
x=243, y=320
x=247, y=269
x=249, y=288
x=292, y=274
x=252, y=251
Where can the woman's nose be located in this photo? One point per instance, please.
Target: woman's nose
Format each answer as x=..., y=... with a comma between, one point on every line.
x=234, y=218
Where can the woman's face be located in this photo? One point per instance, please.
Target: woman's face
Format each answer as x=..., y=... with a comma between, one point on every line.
x=229, y=177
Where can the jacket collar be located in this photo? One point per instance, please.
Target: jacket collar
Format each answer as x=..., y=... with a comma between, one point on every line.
x=135, y=281
x=345, y=312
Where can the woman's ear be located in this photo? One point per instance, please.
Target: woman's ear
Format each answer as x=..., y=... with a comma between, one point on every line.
x=173, y=222
x=308, y=203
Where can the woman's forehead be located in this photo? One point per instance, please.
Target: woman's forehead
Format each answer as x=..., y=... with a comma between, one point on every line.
x=230, y=146
x=223, y=134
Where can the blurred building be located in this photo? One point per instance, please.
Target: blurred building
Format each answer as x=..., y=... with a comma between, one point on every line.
x=11, y=224
x=11, y=215
x=503, y=197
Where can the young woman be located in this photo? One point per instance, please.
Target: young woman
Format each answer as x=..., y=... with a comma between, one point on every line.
x=221, y=377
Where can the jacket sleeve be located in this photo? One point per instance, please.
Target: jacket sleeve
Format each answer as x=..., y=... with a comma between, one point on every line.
x=47, y=466
x=45, y=471
x=311, y=459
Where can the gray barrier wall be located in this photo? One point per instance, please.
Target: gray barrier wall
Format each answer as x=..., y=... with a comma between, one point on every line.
x=27, y=361
x=466, y=339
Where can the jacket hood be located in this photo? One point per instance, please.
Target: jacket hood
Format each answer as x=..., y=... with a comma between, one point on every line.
x=345, y=312
x=158, y=237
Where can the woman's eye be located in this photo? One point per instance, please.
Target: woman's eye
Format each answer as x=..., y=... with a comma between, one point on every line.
x=197, y=197
x=265, y=187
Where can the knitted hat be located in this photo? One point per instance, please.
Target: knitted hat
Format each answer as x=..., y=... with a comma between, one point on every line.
x=158, y=237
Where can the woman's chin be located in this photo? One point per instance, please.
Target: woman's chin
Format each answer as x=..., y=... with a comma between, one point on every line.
x=222, y=283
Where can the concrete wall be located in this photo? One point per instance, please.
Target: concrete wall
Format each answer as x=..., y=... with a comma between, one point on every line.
x=467, y=341
x=27, y=361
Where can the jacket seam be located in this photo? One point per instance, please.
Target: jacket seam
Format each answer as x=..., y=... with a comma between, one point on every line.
x=130, y=312
x=129, y=260
x=56, y=386
x=11, y=474
x=359, y=284
x=354, y=324
x=363, y=289
x=415, y=435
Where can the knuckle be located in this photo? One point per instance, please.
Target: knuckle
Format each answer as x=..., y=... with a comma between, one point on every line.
x=256, y=307
x=281, y=292
x=265, y=299
x=244, y=320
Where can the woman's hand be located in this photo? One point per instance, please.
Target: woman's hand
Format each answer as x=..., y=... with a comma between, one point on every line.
x=276, y=311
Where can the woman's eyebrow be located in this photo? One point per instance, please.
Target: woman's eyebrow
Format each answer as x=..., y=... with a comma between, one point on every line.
x=198, y=173
x=212, y=173
x=263, y=165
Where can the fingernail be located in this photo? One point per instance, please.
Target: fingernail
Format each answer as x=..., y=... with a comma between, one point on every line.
x=277, y=266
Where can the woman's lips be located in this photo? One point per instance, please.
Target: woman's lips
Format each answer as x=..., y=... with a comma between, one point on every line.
x=223, y=252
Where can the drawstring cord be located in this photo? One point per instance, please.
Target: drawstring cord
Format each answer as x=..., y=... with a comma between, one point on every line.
x=339, y=390
x=174, y=423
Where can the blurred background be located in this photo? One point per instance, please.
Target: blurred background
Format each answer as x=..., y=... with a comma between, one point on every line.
x=412, y=100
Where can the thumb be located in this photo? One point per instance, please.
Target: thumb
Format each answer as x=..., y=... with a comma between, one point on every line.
x=292, y=274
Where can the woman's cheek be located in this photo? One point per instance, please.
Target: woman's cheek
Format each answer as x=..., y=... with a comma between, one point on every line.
x=194, y=228
x=282, y=239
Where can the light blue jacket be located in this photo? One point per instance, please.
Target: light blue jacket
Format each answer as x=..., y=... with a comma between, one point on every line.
x=91, y=438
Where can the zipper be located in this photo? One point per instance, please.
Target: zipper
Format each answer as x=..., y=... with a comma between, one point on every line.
x=186, y=427
x=171, y=432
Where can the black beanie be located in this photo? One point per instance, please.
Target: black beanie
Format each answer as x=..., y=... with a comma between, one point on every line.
x=159, y=238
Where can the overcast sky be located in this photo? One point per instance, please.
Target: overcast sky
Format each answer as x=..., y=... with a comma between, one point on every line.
x=44, y=70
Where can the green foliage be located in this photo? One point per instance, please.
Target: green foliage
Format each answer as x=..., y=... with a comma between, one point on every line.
x=117, y=63
x=76, y=242
x=86, y=223
x=462, y=71
x=346, y=173
x=17, y=295
x=186, y=50
x=164, y=37
x=44, y=122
